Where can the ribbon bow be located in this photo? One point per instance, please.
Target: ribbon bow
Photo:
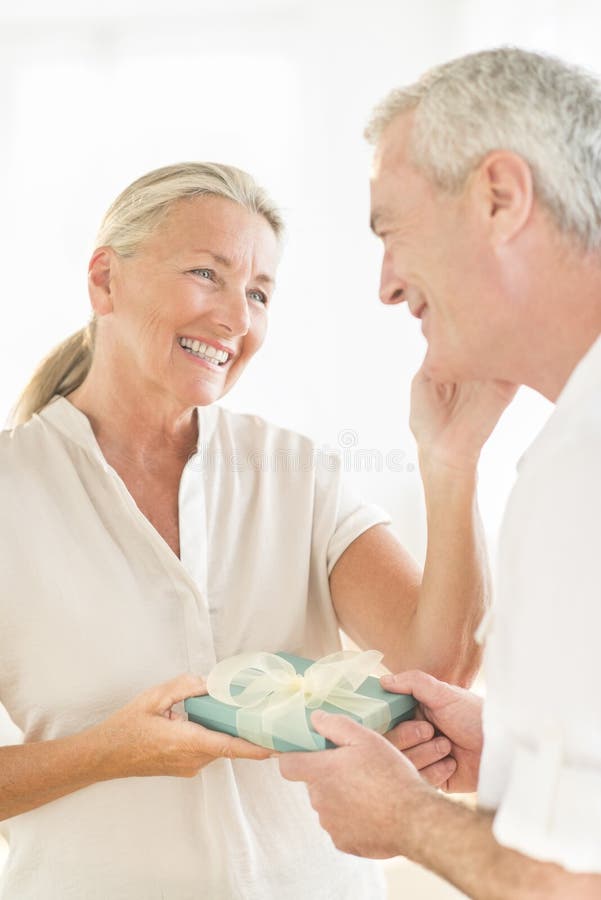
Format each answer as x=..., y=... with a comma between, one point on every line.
x=275, y=696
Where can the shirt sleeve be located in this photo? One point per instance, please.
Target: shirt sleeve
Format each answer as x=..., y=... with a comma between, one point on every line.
x=544, y=700
x=9, y=733
x=346, y=514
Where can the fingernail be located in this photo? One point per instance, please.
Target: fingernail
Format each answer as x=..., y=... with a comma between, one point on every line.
x=443, y=745
x=424, y=731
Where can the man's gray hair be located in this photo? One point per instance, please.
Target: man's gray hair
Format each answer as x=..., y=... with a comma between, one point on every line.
x=546, y=111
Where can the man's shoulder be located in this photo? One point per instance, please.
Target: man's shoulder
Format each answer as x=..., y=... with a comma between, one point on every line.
x=558, y=489
x=571, y=438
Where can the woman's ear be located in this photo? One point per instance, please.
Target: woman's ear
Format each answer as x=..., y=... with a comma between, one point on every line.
x=100, y=278
x=505, y=194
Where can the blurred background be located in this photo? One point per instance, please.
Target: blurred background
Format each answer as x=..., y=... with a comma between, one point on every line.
x=92, y=96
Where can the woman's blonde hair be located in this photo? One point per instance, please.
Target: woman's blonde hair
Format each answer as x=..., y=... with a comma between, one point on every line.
x=132, y=218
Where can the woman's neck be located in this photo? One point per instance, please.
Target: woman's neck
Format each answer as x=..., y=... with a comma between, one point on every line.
x=134, y=427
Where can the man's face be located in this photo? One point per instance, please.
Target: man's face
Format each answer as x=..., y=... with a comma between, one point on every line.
x=436, y=258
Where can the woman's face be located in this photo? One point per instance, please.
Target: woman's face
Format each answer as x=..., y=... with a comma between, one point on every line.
x=189, y=308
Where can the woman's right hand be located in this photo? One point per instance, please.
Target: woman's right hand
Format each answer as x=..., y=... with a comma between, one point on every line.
x=455, y=713
x=145, y=737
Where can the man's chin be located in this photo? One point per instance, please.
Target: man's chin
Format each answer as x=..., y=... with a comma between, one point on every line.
x=443, y=370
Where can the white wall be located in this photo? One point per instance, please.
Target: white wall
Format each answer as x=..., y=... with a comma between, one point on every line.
x=90, y=99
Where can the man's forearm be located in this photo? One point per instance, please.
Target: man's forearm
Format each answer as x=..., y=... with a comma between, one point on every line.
x=456, y=569
x=457, y=843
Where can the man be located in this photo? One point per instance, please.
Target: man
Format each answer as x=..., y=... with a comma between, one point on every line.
x=486, y=193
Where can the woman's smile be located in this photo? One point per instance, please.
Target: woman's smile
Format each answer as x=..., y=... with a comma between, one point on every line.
x=211, y=355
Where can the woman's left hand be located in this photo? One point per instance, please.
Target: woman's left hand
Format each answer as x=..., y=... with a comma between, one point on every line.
x=429, y=754
x=452, y=421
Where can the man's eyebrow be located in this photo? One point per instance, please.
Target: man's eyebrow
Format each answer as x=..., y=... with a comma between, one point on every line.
x=264, y=279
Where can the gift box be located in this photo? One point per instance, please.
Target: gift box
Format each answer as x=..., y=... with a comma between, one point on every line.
x=268, y=698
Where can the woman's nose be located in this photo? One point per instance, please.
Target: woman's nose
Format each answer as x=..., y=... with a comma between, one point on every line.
x=232, y=313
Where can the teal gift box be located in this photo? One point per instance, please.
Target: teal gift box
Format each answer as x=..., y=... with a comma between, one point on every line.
x=268, y=698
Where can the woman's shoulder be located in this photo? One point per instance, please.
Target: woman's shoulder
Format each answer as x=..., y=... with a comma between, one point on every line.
x=12, y=439
x=253, y=443
x=21, y=447
x=255, y=431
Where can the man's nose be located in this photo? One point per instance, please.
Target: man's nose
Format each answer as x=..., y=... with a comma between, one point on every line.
x=392, y=287
x=232, y=313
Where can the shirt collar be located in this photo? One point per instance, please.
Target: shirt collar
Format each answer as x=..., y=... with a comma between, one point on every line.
x=585, y=377
x=72, y=423
x=587, y=374
x=75, y=425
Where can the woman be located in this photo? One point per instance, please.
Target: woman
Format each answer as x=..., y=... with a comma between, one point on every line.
x=148, y=533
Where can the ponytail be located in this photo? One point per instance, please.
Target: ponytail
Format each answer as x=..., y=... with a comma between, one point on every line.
x=63, y=370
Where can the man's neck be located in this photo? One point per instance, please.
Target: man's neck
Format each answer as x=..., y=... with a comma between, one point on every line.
x=564, y=321
x=555, y=372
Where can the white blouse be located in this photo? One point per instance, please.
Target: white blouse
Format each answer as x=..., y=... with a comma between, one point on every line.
x=541, y=768
x=95, y=607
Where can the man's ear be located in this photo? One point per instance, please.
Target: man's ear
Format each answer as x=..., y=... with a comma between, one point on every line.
x=100, y=280
x=505, y=193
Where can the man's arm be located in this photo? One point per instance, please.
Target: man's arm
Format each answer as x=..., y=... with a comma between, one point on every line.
x=458, y=844
x=373, y=803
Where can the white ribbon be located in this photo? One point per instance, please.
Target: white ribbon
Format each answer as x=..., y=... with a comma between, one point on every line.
x=275, y=697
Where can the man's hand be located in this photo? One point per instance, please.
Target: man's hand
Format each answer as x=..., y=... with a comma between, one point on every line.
x=363, y=790
x=373, y=803
x=455, y=713
x=452, y=422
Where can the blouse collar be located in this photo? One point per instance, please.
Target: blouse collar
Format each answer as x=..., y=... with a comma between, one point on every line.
x=75, y=425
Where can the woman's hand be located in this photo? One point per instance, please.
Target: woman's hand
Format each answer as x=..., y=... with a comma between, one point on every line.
x=146, y=737
x=429, y=754
x=455, y=713
x=451, y=422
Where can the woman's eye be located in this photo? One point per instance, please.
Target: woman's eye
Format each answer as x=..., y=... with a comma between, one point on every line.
x=258, y=295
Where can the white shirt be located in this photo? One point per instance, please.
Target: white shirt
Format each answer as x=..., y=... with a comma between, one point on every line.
x=541, y=768
x=95, y=607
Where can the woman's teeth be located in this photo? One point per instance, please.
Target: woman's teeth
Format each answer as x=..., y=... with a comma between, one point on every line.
x=204, y=351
